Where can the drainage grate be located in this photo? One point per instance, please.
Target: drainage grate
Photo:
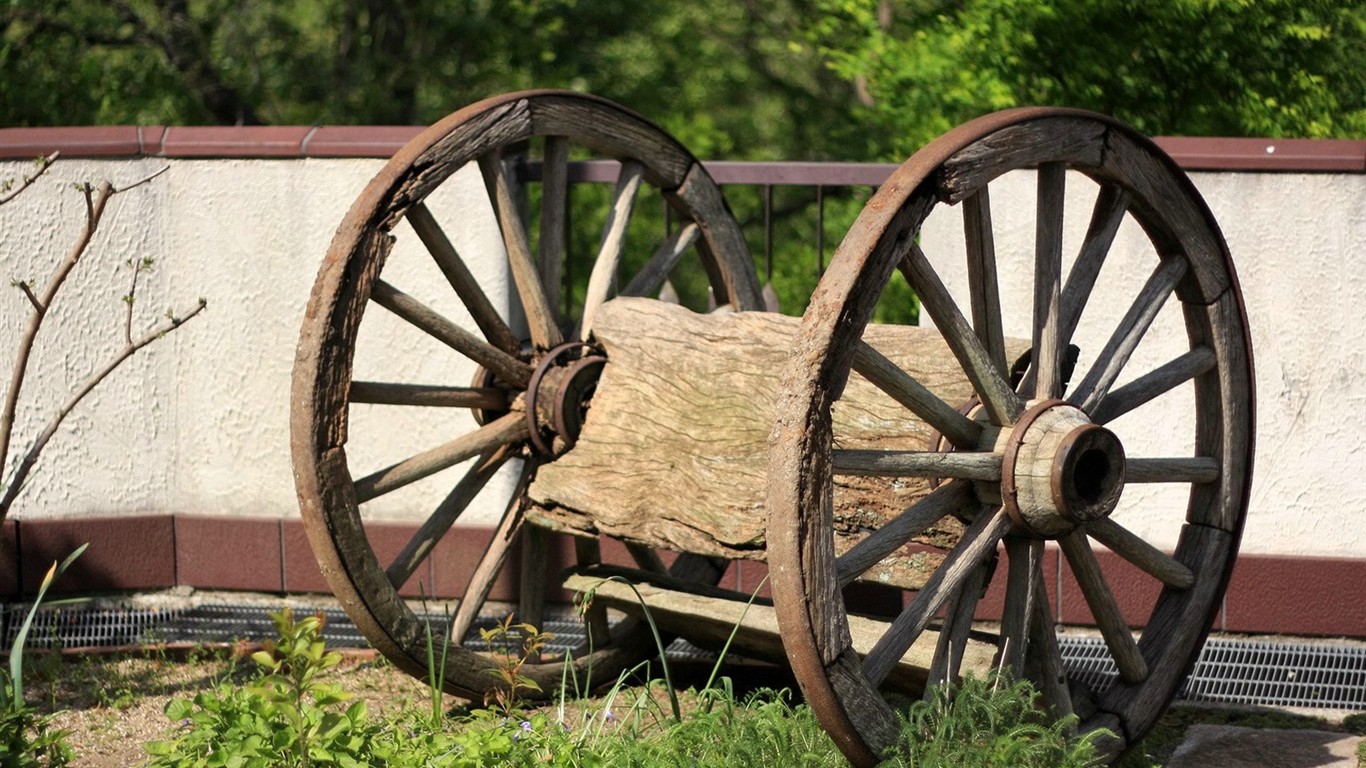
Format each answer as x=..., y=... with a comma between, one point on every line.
x=224, y=623
x=1233, y=671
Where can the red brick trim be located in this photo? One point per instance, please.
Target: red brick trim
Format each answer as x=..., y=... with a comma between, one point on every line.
x=381, y=141
x=1279, y=594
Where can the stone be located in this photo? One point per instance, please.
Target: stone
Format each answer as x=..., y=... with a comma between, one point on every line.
x=1228, y=746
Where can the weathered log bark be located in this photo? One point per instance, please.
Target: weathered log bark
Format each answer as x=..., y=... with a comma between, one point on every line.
x=674, y=448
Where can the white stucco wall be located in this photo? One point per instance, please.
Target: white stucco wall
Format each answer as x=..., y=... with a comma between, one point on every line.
x=199, y=421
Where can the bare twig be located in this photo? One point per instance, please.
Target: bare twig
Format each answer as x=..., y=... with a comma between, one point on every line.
x=43, y=164
x=96, y=200
x=16, y=483
x=94, y=211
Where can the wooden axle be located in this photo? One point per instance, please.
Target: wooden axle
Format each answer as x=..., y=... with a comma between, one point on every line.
x=674, y=447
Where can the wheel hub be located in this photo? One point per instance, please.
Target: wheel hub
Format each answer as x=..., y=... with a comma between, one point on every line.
x=1059, y=470
x=558, y=395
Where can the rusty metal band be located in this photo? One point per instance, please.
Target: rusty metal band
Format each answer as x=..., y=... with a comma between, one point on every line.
x=533, y=391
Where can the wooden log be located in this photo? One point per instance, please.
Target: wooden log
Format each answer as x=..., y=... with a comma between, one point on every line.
x=707, y=621
x=674, y=449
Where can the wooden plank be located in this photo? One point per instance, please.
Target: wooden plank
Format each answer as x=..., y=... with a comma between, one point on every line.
x=707, y=621
x=690, y=399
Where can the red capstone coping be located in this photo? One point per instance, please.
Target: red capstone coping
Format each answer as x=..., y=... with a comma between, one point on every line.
x=381, y=141
x=1268, y=593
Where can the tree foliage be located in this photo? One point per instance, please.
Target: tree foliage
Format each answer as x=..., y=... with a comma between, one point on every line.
x=1179, y=67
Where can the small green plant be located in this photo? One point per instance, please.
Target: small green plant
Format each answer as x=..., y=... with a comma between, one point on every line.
x=287, y=716
x=510, y=655
x=992, y=722
x=27, y=739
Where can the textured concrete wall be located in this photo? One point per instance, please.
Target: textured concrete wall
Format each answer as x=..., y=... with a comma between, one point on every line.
x=199, y=422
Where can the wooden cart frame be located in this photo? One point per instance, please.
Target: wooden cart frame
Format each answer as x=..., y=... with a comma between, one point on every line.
x=836, y=448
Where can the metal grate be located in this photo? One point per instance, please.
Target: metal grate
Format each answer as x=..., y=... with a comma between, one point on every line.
x=225, y=623
x=1233, y=671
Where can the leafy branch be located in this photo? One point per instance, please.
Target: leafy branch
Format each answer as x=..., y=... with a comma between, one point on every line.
x=96, y=201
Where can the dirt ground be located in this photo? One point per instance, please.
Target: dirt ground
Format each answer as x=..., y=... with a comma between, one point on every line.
x=111, y=705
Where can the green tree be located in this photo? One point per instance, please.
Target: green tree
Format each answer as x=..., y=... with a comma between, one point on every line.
x=1192, y=67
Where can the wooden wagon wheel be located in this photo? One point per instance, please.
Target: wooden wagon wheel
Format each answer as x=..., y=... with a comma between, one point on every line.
x=531, y=375
x=1041, y=461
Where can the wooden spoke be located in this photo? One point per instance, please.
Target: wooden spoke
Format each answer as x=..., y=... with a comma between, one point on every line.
x=1193, y=469
x=461, y=280
x=554, y=215
x=535, y=569
x=983, y=283
x=652, y=277
x=545, y=327
x=481, y=581
x=944, y=500
x=1003, y=406
x=422, y=317
x=978, y=543
x=1111, y=205
x=953, y=637
x=1022, y=594
x=646, y=557
x=968, y=466
x=429, y=395
x=434, y=527
x=504, y=430
x=903, y=388
x=1122, y=343
x=1044, y=665
x=600, y=282
x=1154, y=384
x=1128, y=659
x=1148, y=558
x=1048, y=281
x=588, y=552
